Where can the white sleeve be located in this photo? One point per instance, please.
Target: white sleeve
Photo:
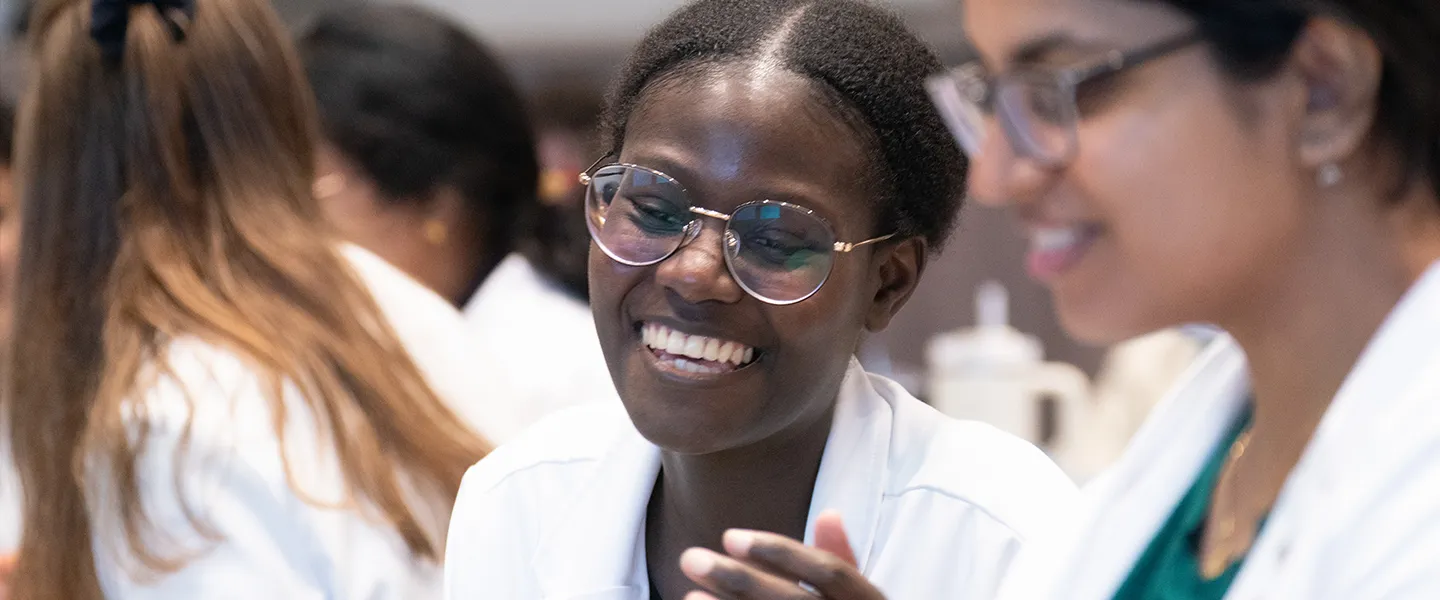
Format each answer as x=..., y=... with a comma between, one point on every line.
x=488, y=554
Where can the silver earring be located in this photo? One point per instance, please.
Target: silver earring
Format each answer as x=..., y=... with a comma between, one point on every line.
x=1329, y=175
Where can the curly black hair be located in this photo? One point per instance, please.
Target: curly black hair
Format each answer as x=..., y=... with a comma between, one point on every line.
x=866, y=63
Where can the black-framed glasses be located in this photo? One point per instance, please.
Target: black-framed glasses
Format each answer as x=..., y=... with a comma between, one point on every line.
x=778, y=252
x=1037, y=109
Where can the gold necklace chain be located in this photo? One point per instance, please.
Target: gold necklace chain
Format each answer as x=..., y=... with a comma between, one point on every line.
x=1222, y=551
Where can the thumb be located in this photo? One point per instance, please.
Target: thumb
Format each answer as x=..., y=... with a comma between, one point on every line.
x=830, y=537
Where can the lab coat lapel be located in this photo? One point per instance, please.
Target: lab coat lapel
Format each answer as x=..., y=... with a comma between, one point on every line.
x=1132, y=501
x=1387, y=396
x=852, y=470
x=579, y=558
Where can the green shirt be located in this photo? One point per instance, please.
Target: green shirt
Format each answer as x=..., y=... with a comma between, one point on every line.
x=1170, y=568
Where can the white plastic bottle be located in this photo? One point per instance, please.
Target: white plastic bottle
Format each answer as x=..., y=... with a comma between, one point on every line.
x=996, y=374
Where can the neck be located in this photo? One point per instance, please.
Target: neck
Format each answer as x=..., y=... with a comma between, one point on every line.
x=1304, y=333
x=454, y=268
x=766, y=487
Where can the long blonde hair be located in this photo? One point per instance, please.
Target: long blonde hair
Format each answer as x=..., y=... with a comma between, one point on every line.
x=169, y=195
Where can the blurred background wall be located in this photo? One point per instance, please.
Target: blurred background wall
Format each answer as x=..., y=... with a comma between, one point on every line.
x=561, y=49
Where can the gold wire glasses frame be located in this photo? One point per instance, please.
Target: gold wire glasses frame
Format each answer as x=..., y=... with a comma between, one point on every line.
x=586, y=178
x=731, y=242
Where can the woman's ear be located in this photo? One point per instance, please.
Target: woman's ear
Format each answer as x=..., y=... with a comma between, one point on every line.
x=1341, y=69
x=897, y=268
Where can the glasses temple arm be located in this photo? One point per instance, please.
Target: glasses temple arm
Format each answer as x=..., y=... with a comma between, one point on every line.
x=851, y=246
x=585, y=175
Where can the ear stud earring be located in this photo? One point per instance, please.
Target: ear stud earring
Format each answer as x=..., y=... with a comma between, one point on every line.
x=1329, y=175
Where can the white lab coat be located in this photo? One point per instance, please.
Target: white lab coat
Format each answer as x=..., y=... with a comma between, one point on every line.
x=274, y=543
x=934, y=507
x=1357, y=519
x=536, y=343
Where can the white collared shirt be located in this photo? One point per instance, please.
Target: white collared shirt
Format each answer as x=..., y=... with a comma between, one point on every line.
x=536, y=345
x=934, y=507
x=1358, y=517
x=275, y=540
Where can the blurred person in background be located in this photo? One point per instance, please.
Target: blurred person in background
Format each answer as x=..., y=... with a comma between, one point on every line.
x=773, y=182
x=209, y=395
x=430, y=162
x=1273, y=168
x=567, y=123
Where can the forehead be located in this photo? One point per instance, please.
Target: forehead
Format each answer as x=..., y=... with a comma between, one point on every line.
x=1011, y=33
x=757, y=129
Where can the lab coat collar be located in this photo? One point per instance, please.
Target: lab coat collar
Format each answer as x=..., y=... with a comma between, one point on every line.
x=514, y=276
x=1131, y=501
x=1383, y=398
x=585, y=556
x=1378, y=401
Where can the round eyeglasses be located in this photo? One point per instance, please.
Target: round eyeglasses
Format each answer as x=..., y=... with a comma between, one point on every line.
x=778, y=252
x=1036, y=109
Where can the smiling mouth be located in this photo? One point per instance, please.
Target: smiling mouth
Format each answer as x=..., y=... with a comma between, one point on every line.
x=1055, y=250
x=695, y=355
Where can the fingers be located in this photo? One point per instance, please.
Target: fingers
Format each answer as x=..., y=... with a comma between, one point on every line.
x=730, y=579
x=832, y=576
x=830, y=536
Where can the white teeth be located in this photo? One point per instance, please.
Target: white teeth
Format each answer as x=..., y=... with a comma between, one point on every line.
x=727, y=350
x=1048, y=239
x=694, y=367
x=699, y=348
x=675, y=342
x=695, y=346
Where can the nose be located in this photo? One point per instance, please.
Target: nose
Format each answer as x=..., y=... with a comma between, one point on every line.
x=1000, y=176
x=697, y=271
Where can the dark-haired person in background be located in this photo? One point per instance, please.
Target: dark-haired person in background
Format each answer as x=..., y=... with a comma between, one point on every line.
x=1264, y=165
x=775, y=180
x=430, y=162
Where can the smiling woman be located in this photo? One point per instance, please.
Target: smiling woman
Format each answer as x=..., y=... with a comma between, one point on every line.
x=775, y=181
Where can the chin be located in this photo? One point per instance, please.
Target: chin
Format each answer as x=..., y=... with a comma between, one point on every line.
x=688, y=436
x=1103, y=323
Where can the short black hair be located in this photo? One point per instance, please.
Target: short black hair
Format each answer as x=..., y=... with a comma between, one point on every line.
x=863, y=59
x=417, y=102
x=1252, y=38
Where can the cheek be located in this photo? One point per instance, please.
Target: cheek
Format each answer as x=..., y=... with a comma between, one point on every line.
x=827, y=324
x=1196, y=210
x=609, y=283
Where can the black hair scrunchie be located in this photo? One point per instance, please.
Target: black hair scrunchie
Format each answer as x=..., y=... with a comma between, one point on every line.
x=110, y=21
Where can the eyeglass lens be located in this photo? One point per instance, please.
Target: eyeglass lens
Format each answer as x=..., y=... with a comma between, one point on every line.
x=777, y=252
